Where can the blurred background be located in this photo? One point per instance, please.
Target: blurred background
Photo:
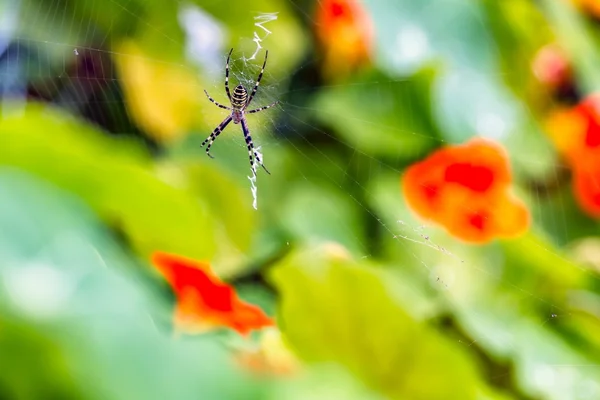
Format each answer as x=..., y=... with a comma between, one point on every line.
x=101, y=119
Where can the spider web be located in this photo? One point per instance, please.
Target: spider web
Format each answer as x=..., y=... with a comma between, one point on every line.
x=73, y=68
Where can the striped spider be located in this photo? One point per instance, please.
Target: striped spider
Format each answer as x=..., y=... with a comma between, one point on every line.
x=239, y=103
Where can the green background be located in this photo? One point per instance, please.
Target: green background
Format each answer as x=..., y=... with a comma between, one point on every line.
x=373, y=303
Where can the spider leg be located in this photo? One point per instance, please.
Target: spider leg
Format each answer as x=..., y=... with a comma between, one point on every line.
x=258, y=80
x=227, y=75
x=217, y=104
x=251, y=150
x=214, y=135
x=262, y=108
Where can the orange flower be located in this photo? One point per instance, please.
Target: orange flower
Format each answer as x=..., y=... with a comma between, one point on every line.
x=203, y=301
x=466, y=189
x=587, y=191
x=590, y=6
x=345, y=33
x=576, y=134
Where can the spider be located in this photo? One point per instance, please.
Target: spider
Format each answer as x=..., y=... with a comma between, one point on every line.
x=239, y=103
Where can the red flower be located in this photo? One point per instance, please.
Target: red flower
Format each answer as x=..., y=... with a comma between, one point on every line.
x=576, y=134
x=204, y=301
x=587, y=191
x=345, y=33
x=466, y=189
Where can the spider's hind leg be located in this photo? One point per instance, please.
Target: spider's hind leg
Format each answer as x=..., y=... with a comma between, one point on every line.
x=260, y=162
x=214, y=134
x=251, y=150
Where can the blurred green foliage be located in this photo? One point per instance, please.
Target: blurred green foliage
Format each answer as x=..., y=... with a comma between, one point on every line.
x=355, y=319
x=112, y=175
x=77, y=322
x=372, y=303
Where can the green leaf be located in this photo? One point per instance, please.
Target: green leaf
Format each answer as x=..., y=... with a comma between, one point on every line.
x=541, y=267
x=317, y=213
x=334, y=310
x=575, y=36
x=112, y=175
x=519, y=30
x=230, y=204
x=404, y=127
x=24, y=348
x=325, y=382
x=546, y=365
x=73, y=322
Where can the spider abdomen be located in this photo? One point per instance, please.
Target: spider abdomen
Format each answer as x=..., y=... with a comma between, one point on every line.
x=239, y=101
x=239, y=97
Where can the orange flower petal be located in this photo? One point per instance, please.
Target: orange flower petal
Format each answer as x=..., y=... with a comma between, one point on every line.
x=567, y=128
x=465, y=188
x=422, y=188
x=345, y=32
x=576, y=131
x=203, y=301
x=590, y=108
x=480, y=219
x=479, y=165
x=576, y=134
x=587, y=190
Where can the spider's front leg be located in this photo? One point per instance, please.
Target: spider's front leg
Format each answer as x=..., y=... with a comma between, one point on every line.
x=214, y=134
x=251, y=150
x=215, y=103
